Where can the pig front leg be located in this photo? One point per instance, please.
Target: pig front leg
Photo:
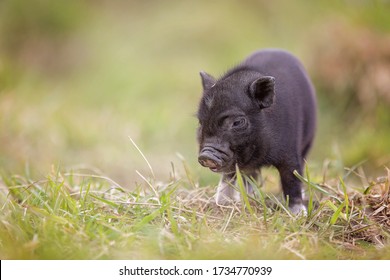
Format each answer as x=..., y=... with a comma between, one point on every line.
x=227, y=194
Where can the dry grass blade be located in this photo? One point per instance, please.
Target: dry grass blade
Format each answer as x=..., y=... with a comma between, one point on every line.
x=143, y=156
x=95, y=176
x=150, y=185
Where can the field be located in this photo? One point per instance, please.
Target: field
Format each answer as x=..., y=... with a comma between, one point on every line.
x=98, y=154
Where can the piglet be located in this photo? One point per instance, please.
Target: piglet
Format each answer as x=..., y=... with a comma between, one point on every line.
x=260, y=113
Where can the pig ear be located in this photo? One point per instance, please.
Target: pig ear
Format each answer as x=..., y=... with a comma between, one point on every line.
x=263, y=91
x=207, y=80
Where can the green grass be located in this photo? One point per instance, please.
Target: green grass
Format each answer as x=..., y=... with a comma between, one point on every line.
x=89, y=216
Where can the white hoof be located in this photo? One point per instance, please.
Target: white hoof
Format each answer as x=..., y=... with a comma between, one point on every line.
x=298, y=209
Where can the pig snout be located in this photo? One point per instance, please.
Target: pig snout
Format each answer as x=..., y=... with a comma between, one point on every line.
x=211, y=158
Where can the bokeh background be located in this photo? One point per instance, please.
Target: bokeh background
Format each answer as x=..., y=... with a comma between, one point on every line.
x=78, y=78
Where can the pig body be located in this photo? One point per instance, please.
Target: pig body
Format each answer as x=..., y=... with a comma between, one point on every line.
x=260, y=113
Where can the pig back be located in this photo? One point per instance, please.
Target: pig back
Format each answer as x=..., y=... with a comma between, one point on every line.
x=292, y=117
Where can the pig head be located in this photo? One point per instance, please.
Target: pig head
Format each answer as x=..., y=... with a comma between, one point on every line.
x=227, y=122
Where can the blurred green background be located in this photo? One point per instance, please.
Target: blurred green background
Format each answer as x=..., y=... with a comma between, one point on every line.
x=77, y=78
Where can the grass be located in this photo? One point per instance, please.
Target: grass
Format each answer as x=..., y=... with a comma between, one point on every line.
x=74, y=215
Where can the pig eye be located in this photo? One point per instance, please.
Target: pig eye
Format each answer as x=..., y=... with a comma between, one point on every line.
x=239, y=123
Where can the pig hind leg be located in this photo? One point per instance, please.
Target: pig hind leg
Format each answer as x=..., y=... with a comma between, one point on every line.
x=292, y=187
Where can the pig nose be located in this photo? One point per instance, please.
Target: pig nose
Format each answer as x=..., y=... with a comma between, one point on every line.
x=208, y=159
x=206, y=162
